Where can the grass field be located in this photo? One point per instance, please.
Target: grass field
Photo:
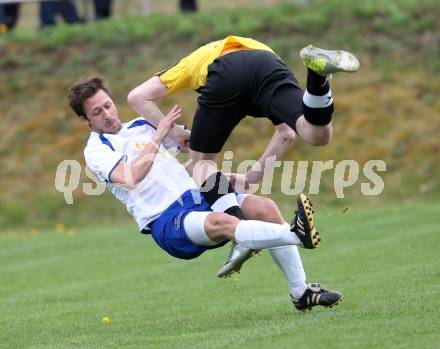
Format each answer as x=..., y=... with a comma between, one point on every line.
x=56, y=286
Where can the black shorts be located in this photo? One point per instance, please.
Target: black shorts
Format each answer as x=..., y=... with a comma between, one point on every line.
x=249, y=82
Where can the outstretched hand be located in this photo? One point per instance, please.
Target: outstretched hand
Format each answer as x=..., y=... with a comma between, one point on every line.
x=180, y=135
x=167, y=123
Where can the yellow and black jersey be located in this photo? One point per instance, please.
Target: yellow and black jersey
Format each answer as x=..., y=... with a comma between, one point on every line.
x=191, y=71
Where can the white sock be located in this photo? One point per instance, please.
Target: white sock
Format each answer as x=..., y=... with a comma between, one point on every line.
x=194, y=224
x=225, y=202
x=258, y=235
x=313, y=101
x=289, y=261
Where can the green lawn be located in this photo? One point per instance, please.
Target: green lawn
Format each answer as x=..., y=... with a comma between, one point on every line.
x=56, y=287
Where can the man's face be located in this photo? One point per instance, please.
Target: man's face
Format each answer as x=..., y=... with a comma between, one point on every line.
x=101, y=113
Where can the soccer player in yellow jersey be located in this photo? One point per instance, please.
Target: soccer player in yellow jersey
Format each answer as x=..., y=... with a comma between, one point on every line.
x=236, y=77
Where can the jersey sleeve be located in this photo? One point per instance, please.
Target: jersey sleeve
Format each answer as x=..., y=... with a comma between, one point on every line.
x=175, y=77
x=101, y=160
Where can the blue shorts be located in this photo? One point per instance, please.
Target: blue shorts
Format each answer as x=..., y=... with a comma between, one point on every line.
x=168, y=230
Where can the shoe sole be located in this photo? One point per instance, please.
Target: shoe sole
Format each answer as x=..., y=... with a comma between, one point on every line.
x=339, y=60
x=313, y=234
x=235, y=266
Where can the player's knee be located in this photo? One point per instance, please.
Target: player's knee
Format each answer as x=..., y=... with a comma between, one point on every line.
x=213, y=220
x=321, y=140
x=266, y=210
x=321, y=135
x=220, y=225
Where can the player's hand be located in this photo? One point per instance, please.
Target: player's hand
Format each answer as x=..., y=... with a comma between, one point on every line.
x=238, y=181
x=167, y=123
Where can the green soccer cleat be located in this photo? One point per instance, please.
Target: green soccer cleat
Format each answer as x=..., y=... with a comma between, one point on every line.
x=303, y=224
x=315, y=295
x=326, y=62
x=237, y=257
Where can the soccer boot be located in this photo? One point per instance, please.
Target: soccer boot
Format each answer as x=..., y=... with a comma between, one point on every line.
x=303, y=224
x=326, y=62
x=237, y=257
x=315, y=295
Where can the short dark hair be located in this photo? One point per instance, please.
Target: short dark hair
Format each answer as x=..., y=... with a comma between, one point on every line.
x=83, y=90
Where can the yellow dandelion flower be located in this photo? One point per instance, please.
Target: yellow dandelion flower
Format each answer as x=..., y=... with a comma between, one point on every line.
x=60, y=228
x=33, y=232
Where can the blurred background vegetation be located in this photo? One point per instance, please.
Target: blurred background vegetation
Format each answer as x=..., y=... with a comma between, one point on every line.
x=389, y=110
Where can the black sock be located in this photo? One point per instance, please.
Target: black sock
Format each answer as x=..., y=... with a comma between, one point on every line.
x=236, y=212
x=317, y=85
x=214, y=188
x=319, y=112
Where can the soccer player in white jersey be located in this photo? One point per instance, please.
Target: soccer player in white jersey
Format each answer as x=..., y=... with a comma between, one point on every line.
x=164, y=200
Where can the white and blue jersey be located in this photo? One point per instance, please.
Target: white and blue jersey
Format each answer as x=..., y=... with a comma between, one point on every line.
x=161, y=201
x=166, y=181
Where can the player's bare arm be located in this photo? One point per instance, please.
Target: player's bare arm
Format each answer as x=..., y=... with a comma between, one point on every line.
x=132, y=173
x=280, y=142
x=142, y=100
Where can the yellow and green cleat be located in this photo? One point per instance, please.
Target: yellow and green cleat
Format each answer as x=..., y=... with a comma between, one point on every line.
x=326, y=62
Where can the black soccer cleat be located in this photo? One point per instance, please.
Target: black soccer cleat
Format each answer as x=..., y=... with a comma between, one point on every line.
x=315, y=295
x=303, y=224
